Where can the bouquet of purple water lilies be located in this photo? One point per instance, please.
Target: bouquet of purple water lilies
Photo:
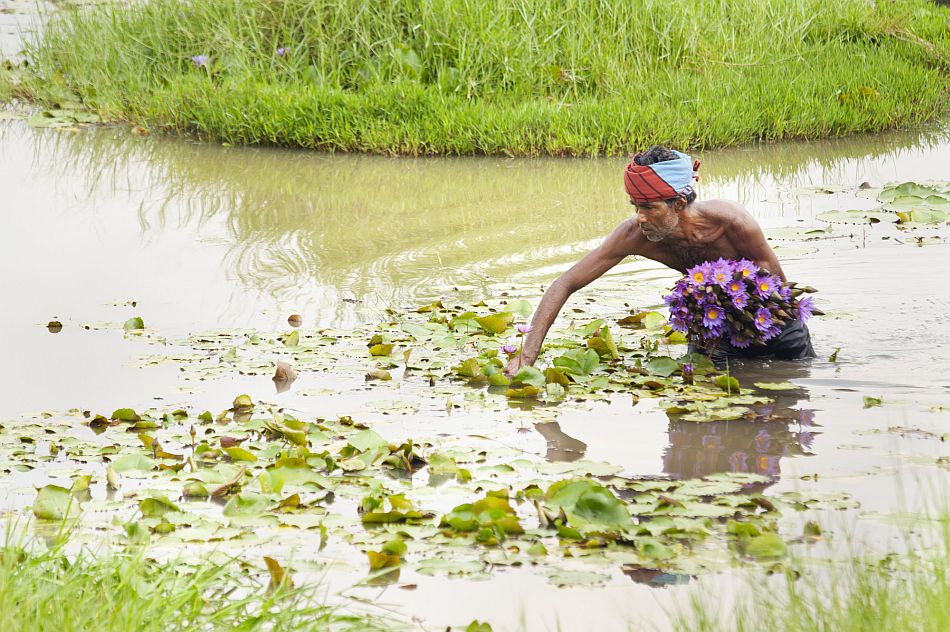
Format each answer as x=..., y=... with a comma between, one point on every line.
x=737, y=301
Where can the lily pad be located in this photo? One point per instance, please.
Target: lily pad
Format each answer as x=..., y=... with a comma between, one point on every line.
x=53, y=502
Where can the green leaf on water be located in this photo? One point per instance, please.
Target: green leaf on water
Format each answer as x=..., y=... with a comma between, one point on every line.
x=134, y=324
x=728, y=384
x=157, y=506
x=644, y=320
x=491, y=513
x=530, y=375
x=367, y=440
x=52, y=502
x=292, y=339
x=923, y=216
x=776, y=386
x=834, y=355
x=519, y=307
x=870, y=402
x=857, y=217
x=125, y=414
x=496, y=323
x=240, y=454
x=590, y=508
x=128, y=462
x=381, y=349
x=242, y=402
x=470, y=368
x=524, y=392
x=578, y=361
x=766, y=545
x=663, y=366
x=381, y=559
x=478, y=626
x=246, y=505
x=499, y=379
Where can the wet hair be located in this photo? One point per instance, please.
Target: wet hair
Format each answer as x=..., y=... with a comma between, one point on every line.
x=658, y=153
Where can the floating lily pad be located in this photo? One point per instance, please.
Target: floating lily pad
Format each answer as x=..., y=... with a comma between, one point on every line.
x=857, y=217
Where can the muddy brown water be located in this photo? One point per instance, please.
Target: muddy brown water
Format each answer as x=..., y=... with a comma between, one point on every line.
x=201, y=236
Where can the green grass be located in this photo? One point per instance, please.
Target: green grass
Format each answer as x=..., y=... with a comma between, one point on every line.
x=124, y=591
x=908, y=592
x=502, y=77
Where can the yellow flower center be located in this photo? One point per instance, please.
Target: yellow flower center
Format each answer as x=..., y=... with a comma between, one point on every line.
x=699, y=277
x=745, y=273
x=763, y=286
x=711, y=314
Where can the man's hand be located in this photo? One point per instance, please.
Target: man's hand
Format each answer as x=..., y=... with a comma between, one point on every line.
x=516, y=364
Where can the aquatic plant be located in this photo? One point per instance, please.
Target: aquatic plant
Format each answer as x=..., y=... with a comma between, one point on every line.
x=736, y=300
x=473, y=77
x=117, y=590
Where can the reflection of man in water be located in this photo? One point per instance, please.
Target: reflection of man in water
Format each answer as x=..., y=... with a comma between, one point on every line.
x=673, y=228
x=756, y=444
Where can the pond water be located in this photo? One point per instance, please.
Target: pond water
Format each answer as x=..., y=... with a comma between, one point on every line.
x=101, y=225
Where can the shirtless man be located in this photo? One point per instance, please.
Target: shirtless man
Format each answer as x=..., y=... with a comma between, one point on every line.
x=673, y=228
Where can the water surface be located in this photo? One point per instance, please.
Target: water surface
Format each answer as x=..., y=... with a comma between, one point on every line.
x=201, y=236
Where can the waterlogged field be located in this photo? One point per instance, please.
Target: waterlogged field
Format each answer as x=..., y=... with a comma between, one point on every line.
x=158, y=396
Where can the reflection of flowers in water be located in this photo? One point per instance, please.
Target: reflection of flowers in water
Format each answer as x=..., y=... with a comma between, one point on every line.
x=712, y=442
x=763, y=440
x=737, y=462
x=806, y=417
x=806, y=439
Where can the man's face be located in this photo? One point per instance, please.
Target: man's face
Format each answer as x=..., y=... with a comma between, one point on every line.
x=657, y=220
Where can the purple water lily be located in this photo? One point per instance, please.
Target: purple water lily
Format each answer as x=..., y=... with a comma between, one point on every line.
x=201, y=60
x=765, y=285
x=745, y=268
x=721, y=272
x=740, y=340
x=713, y=318
x=806, y=306
x=700, y=275
x=282, y=51
x=732, y=300
x=524, y=329
x=509, y=349
x=763, y=319
x=735, y=287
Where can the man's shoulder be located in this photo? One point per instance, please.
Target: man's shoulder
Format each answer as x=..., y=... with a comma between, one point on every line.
x=726, y=213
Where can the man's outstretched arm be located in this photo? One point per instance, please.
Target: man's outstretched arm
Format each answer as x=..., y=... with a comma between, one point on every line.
x=620, y=243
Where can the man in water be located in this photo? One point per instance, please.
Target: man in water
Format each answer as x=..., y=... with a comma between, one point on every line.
x=673, y=228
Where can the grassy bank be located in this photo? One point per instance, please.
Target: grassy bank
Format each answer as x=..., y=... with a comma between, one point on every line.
x=895, y=592
x=516, y=76
x=51, y=590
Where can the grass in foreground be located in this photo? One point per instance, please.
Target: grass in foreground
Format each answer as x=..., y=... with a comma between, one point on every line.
x=897, y=592
x=59, y=592
x=515, y=76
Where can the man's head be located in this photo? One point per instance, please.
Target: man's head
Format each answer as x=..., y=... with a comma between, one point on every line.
x=659, y=182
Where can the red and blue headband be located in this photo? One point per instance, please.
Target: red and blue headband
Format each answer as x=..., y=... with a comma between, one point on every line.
x=661, y=180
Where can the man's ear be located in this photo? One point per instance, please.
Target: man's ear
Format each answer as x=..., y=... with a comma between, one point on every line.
x=679, y=204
